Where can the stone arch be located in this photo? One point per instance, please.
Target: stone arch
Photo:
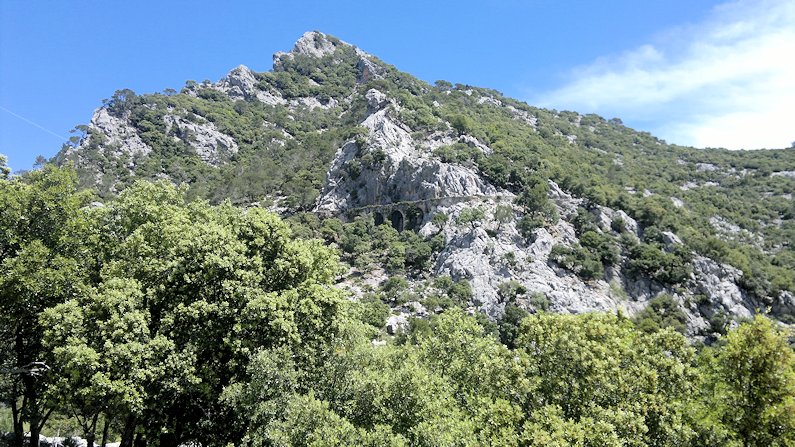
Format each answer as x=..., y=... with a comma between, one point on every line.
x=378, y=218
x=397, y=219
x=414, y=218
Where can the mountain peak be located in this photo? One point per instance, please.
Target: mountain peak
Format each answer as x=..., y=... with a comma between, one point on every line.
x=313, y=44
x=317, y=44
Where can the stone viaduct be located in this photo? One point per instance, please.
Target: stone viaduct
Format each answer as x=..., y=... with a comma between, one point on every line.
x=412, y=214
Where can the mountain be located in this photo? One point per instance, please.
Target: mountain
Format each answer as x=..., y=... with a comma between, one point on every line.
x=492, y=204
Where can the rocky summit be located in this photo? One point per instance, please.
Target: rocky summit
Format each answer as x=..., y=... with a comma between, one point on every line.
x=538, y=209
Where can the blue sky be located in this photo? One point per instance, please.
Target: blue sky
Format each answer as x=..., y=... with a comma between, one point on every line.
x=704, y=73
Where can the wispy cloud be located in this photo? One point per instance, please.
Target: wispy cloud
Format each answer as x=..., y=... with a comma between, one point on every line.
x=726, y=82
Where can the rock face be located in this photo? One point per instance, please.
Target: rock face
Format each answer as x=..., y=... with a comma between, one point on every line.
x=718, y=283
x=488, y=257
x=211, y=145
x=118, y=133
x=314, y=43
x=492, y=253
x=396, y=324
x=402, y=168
x=241, y=83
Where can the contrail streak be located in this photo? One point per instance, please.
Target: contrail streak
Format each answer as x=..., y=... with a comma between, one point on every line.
x=34, y=124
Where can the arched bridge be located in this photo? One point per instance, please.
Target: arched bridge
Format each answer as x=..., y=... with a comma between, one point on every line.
x=412, y=214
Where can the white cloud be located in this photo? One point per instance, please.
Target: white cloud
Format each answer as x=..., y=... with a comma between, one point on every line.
x=726, y=82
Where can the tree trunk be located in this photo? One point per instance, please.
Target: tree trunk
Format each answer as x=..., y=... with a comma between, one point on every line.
x=128, y=433
x=91, y=432
x=19, y=432
x=34, y=430
x=19, y=429
x=140, y=441
x=44, y=418
x=105, y=430
x=33, y=409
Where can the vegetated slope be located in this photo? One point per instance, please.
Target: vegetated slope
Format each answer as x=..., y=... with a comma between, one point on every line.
x=156, y=320
x=505, y=206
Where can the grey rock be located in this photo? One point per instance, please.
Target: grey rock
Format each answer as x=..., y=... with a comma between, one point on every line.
x=396, y=324
x=241, y=83
x=408, y=171
x=566, y=203
x=368, y=70
x=375, y=100
x=475, y=255
x=706, y=167
x=314, y=43
x=670, y=239
x=415, y=308
x=784, y=304
x=118, y=133
x=718, y=282
x=475, y=143
x=212, y=146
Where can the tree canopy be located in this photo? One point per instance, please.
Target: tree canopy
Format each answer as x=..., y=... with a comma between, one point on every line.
x=158, y=319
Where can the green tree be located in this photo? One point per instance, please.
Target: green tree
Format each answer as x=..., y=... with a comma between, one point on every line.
x=510, y=323
x=477, y=364
x=751, y=385
x=601, y=245
x=509, y=291
x=39, y=268
x=503, y=214
x=597, y=367
x=462, y=123
x=662, y=312
x=5, y=171
x=212, y=283
x=310, y=422
x=471, y=216
x=102, y=356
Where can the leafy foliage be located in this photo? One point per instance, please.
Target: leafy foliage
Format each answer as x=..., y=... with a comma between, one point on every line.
x=5, y=171
x=177, y=321
x=145, y=308
x=750, y=388
x=662, y=312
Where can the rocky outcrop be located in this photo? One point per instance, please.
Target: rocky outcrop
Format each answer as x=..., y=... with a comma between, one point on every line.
x=314, y=43
x=368, y=70
x=118, y=133
x=211, y=145
x=788, y=174
x=717, y=283
x=396, y=324
x=118, y=137
x=311, y=43
x=784, y=304
x=491, y=254
x=241, y=83
x=400, y=168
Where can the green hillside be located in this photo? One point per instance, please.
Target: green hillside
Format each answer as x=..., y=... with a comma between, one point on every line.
x=732, y=206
